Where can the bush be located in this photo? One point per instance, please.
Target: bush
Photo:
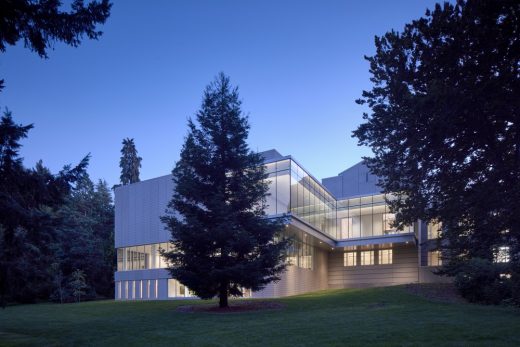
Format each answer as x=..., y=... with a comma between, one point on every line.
x=482, y=281
x=515, y=286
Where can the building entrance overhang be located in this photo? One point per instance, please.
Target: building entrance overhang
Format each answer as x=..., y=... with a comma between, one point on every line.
x=385, y=239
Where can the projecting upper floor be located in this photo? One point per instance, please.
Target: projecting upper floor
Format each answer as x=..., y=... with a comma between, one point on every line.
x=345, y=207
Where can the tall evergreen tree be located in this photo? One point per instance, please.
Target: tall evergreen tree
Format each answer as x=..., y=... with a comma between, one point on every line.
x=86, y=238
x=221, y=240
x=130, y=162
x=29, y=200
x=444, y=125
x=78, y=284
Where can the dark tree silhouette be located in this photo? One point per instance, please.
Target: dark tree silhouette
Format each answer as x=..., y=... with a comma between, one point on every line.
x=130, y=162
x=221, y=240
x=29, y=200
x=40, y=23
x=444, y=125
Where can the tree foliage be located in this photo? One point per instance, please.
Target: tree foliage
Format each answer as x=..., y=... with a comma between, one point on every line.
x=221, y=240
x=130, y=162
x=78, y=284
x=40, y=23
x=41, y=216
x=86, y=236
x=444, y=125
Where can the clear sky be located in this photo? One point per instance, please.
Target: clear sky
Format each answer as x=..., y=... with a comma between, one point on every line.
x=298, y=64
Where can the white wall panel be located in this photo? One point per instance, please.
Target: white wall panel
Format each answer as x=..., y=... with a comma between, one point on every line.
x=139, y=207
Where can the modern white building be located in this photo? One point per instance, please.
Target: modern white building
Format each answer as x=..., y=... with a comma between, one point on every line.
x=342, y=229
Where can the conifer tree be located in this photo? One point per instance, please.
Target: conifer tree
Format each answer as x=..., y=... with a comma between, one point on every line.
x=42, y=23
x=222, y=240
x=29, y=200
x=130, y=162
x=78, y=284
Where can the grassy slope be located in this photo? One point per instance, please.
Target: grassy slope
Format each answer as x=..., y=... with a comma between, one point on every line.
x=381, y=316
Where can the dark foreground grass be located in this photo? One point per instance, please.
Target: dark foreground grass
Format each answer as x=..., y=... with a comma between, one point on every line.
x=380, y=316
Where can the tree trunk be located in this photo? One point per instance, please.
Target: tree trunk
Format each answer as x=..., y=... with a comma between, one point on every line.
x=223, y=296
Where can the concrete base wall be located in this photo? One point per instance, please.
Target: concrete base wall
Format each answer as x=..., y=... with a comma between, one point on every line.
x=404, y=269
x=297, y=280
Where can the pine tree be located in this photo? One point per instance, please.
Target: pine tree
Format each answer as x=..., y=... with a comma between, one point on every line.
x=86, y=235
x=57, y=281
x=29, y=200
x=78, y=284
x=221, y=240
x=130, y=163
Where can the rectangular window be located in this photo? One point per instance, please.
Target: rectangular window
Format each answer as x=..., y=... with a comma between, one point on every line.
x=502, y=255
x=346, y=228
x=283, y=185
x=434, y=258
x=367, y=258
x=171, y=288
x=434, y=230
x=120, y=262
x=270, y=201
x=350, y=259
x=300, y=254
x=182, y=290
x=388, y=220
x=385, y=256
x=366, y=221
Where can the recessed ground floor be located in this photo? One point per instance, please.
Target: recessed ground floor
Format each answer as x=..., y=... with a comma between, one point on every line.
x=313, y=267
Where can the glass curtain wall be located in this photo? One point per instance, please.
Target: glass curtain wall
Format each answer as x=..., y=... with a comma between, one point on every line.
x=141, y=257
x=311, y=202
x=279, y=197
x=293, y=190
x=301, y=254
x=366, y=216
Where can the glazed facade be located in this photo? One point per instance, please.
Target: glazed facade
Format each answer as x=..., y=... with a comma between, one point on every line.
x=342, y=226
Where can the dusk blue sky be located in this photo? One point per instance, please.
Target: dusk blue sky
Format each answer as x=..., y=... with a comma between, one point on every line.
x=298, y=64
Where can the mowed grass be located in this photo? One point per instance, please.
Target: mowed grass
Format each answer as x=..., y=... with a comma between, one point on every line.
x=378, y=316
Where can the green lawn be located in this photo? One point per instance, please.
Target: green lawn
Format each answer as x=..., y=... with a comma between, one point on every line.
x=380, y=316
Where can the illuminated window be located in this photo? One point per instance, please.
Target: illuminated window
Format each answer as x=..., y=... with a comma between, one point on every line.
x=385, y=256
x=182, y=290
x=300, y=254
x=502, y=255
x=172, y=284
x=349, y=259
x=434, y=230
x=367, y=258
x=388, y=220
x=434, y=258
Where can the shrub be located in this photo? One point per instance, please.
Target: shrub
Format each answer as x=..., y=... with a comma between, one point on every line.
x=482, y=281
x=515, y=285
